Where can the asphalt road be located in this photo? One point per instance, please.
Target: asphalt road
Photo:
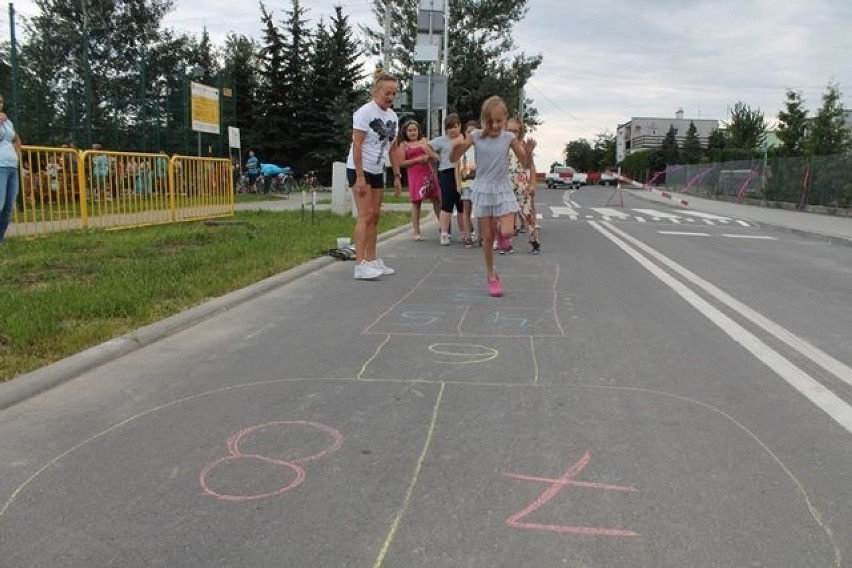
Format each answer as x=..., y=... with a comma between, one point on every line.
x=651, y=391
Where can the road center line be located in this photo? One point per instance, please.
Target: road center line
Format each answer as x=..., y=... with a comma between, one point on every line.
x=826, y=400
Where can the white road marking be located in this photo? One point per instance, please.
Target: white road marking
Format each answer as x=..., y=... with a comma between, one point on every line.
x=684, y=233
x=657, y=215
x=609, y=212
x=743, y=223
x=763, y=237
x=641, y=219
x=559, y=211
x=703, y=215
x=812, y=389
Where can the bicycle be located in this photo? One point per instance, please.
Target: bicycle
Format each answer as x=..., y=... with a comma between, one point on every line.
x=283, y=184
x=310, y=182
x=243, y=185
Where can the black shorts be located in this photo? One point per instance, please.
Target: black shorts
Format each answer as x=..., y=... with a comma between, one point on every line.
x=450, y=196
x=375, y=181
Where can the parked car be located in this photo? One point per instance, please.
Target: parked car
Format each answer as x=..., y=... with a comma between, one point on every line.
x=565, y=176
x=608, y=178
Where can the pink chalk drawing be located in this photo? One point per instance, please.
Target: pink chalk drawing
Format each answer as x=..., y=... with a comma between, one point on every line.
x=557, y=485
x=293, y=464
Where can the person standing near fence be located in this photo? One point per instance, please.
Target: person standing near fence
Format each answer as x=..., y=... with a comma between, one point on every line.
x=10, y=153
x=252, y=169
x=374, y=128
x=100, y=174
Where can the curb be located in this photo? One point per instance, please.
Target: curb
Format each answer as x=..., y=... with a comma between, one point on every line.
x=28, y=385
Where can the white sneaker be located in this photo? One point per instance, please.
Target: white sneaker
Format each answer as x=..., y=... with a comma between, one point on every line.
x=445, y=239
x=366, y=271
x=380, y=264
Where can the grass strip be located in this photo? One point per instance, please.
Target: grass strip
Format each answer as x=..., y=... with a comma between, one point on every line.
x=68, y=291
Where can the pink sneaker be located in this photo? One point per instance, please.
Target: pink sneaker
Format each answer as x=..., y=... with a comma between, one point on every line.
x=503, y=243
x=494, y=287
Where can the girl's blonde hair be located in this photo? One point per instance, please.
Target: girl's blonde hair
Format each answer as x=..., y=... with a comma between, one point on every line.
x=380, y=77
x=522, y=131
x=488, y=107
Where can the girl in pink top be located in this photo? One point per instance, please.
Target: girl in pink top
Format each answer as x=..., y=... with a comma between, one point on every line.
x=418, y=158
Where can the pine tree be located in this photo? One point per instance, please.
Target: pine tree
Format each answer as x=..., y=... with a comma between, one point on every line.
x=792, y=125
x=669, y=148
x=240, y=54
x=294, y=84
x=691, y=145
x=336, y=72
x=747, y=128
x=829, y=134
x=270, y=118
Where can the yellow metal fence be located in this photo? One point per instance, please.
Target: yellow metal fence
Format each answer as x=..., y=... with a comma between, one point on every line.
x=62, y=190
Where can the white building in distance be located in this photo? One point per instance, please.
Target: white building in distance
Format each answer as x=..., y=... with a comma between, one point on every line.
x=643, y=133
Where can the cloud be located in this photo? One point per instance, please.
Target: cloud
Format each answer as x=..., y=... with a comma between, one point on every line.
x=606, y=61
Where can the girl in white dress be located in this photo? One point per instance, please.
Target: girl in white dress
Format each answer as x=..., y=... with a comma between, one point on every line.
x=494, y=201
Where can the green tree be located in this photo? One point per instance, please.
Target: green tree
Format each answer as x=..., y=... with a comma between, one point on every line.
x=483, y=59
x=294, y=84
x=580, y=156
x=747, y=127
x=792, y=124
x=270, y=118
x=669, y=148
x=604, y=151
x=691, y=145
x=829, y=134
x=240, y=64
x=111, y=43
x=336, y=74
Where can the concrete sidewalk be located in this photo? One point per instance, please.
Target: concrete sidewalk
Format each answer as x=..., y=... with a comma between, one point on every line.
x=295, y=202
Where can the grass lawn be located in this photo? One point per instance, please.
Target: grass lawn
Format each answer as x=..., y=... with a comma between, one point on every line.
x=68, y=291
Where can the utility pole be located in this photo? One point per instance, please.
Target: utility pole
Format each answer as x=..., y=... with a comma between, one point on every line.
x=386, y=60
x=14, y=56
x=87, y=76
x=446, y=52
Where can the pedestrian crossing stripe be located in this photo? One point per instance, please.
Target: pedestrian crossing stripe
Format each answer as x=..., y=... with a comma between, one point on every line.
x=611, y=214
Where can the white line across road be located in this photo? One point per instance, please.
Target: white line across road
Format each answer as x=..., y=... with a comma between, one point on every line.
x=559, y=211
x=706, y=216
x=610, y=212
x=812, y=389
x=655, y=214
x=758, y=237
x=684, y=233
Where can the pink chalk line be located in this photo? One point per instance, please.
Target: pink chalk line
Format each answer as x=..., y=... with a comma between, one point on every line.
x=557, y=485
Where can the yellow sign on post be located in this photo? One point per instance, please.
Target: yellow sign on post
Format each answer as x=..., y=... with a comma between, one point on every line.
x=205, y=108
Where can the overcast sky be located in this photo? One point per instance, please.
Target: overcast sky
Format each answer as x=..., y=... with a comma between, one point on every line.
x=606, y=61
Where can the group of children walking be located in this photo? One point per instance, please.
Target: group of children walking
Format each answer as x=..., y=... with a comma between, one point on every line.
x=484, y=172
